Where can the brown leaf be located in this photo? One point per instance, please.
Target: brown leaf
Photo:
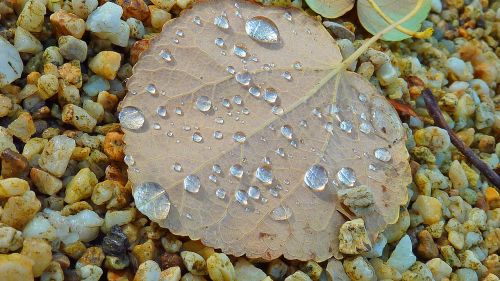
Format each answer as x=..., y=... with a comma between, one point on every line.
x=300, y=131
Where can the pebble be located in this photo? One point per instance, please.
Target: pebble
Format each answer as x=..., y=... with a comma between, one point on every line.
x=394, y=232
x=53, y=272
x=171, y=260
x=386, y=74
x=426, y=248
x=436, y=6
x=106, y=24
x=158, y=17
x=83, y=8
x=89, y=273
x=220, y=268
x=56, y=154
x=92, y=256
x=148, y=271
x=11, y=239
x=145, y=251
x=45, y=182
x=119, y=217
x=65, y=23
x=429, y=208
x=72, y=48
x=297, y=276
x=15, y=267
x=466, y=274
x=171, y=245
x=19, y=210
x=25, y=42
x=245, y=271
x=134, y=9
x=11, y=65
x=353, y=237
x=32, y=16
x=78, y=117
x=13, y=187
x=458, y=68
x=14, y=165
x=339, y=31
x=115, y=243
x=359, y=269
x=52, y=55
x=47, y=86
x=439, y=268
x=277, y=269
x=435, y=138
x=171, y=274
x=312, y=269
x=402, y=257
x=136, y=28
x=40, y=252
x=384, y=271
x=106, y=64
x=95, y=85
x=81, y=186
x=457, y=239
x=457, y=175
x=194, y=263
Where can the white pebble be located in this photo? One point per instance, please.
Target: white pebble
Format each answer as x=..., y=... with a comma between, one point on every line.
x=11, y=65
x=402, y=257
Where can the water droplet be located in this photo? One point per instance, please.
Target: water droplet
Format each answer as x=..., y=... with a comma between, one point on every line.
x=274, y=192
x=179, y=33
x=317, y=112
x=262, y=29
x=267, y=160
x=241, y=197
x=237, y=100
x=131, y=118
x=161, y=111
x=316, y=177
x=294, y=143
x=329, y=127
x=213, y=178
x=287, y=75
x=152, y=200
x=151, y=89
x=169, y=134
x=236, y=170
x=177, y=167
x=365, y=127
x=192, y=183
x=362, y=98
x=346, y=126
x=253, y=192
x=267, y=67
x=280, y=151
x=230, y=70
x=166, y=55
x=297, y=65
x=281, y=213
x=217, y=169
x=346, y=176
x=277, y=110
x=220, y=193
x=219, y=120
x=203, y=103
x=156, y=126
x=197, y=20
x=239, y=137
x=197, y=137
x=288, y=16
x=178, y=111
x=240, y=51
x=254, y=91
x=303, y=123
x=176, y=41
x=226, y=103
x=219, y=42
x=287, y=131
x=186, y=128
x=371, y=167
x=129, y=160
x=221, y=22
x=264, y=175
x=218, y=135
x=270, y=95
x=383, y=154
x=243, y=78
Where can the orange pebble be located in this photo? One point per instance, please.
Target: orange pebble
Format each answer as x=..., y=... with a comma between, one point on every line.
x=491, y=194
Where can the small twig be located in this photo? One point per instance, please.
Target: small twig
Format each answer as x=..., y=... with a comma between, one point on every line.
x=435, y=113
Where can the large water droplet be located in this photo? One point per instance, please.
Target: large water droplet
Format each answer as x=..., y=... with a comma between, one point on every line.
x=262, y=29
x=203, y=103
x=244, y=78
x=166, y=55
x=264, y=175
x=221, y=22
x=236, y=170
x=240, y=51
x=131, y=118
x=241, y=197
x=152, y=200
x=129, y=160
x=316, y=177
x=220, y=193
x=270, y=95
x=287, y=131
x=253, y=192
x=346, y=176
x=382, y=154
x=151, y=89
x=239, y=137
x=197, y=137
x=192, y=183
x=281, y=213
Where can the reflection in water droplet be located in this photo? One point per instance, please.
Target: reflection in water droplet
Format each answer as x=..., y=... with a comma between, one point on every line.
x=221, y=22
x=203, y=103
x=254, y=91
x=262, y=29
x=129, y=160
x=241, y=197
x=177, y=167
x=264, y=175
x=239, y=137
x=197, y=137
x=346, y=176
x=288, y=16
x=216, y=169
x=166, y=55
x=281, y=213
x=197, y=20
x=151, y=89
x=230, y=70
x=243, y=78
x=192, y=183
x=365, y=127
x=287, y=131
x=346, y=126
x=287, y=75
x=253, y=192
x=316, y=177
x=270, y=95
x=220, y=193
x=156, y=209
x=383, y=154
x=236, y=170
x=156, y=126
x=131, y=118
x=161, y=111
x=240, y=51
x=219, y=42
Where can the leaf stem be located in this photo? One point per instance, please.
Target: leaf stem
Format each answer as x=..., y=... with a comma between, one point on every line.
x=377, y=36
x=437, y=115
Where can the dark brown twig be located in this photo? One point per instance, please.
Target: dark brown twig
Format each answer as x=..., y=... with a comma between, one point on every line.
x=435, y=113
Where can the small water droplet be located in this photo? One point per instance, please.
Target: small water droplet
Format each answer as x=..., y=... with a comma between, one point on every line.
x=217, y=169
x=178, y=111
x=197, y=137
x=169, y=134
x=203, y=103
x=254, y=91
x=161, y=111
x=213, y=178
x=179, y=33
x=253, y=192
x=219, y=42
x=287, y=75
x=189, y=216
x=220, y=193
x=280, y=151
x=129, y=160
x=287, y=131
x=244, y=78
x=176, y=41
x=236, y=170
x=166, y=55
x=303, y=123
x=218, y=135
x=267, y=67
x=262, y=29
x=192, y=183
x=346, y=126
x=329, y=127
x=274, y=192
x=346, y=176
x=270, y=95
x=197, y=20
x=230, y=70
x=297, y=65
x=362, y=98
x=277, y=110
x=371, y=167
x=240, y=51
x=316, y=177
x=365, y=127
x=239, y=137
x=281, y=213
x=237, y=100
x=288, y=16
x=221, y=22
x=383, y=154
x=177, y=167
x=219, y=120
x=131, y=118
x=264, y=175
x=317, y=112
x=151, y=89
x=156, y=126
x=241, y=197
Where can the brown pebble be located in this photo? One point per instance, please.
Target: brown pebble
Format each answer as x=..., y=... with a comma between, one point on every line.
x=117, y=171
x=62, y=259
x=170, y=260
x=134, y=9
x=65, y=23
x=93, y=255
x=137, y=49
x=113, y=146
x=426, y=248
x=14, y=165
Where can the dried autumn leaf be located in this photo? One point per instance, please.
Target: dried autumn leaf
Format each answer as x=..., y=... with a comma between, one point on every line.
x=374, y=21
x=251, y=141
x=331, y=8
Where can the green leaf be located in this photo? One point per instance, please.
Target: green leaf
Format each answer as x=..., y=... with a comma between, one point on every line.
x=330, y=8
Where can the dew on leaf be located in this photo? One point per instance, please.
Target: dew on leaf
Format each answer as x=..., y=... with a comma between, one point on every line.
x=192, y=183
x=220, y=193
x=219, y=42
x=218, y=135
x=197, y=137
x=156, y=126
x=179, y=33
x=221, y=22
x=287, y=131
x=277, y=110
x=244, y=78
x=203, y=103
x=237, y=100
x=129, y=160
x=213, y=178
x=254, y=91
x=288, y=16
x=241, y=197
x=152, y=200
x=197, y=20
x=281, y=213
x=253, y=192
x=240, y=51
x=346, y=176
x=297, y=65
x=161, y=111
x=316, y=177
x=177, y=167
x=239, y=137
x=166, y=55
x=346, y=126
x=287, y=75
x=178, y=111
x=236, y=170
x=280, y=151
x=230, y=70
x=217, y=169
x=270, y=95
x=365, y=127
x=382, y=154
x=264, y=175
x=262, y=29
x=151, y=88
x=131, y=118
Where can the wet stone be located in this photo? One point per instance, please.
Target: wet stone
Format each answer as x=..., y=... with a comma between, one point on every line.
x=115, y=243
